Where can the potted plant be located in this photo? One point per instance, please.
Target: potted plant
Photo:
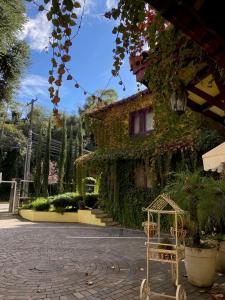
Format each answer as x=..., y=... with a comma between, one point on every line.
x=218, y=240
x=150, y=228
x=181, y=229
x=197, y=195
x=214, y=224
x=215, y=228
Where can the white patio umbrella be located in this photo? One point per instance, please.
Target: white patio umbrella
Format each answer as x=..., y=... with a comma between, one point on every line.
x=214, y=159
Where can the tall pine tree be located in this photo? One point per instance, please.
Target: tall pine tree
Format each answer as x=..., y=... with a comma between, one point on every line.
x=68, y=178
x=62, y=159
x=38, y=165
x=74, y=165
x=80, y=137
x=46, y=160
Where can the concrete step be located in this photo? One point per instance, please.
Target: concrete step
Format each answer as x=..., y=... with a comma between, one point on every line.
x=112, y=223
x=99, y=216
x=97, y=211
x=107, y=219
x=104, y=217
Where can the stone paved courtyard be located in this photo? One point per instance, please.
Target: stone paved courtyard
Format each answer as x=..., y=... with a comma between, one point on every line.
x=74, y=261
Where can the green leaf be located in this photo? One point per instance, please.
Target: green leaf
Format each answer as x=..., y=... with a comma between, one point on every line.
x=77, y=4
x=118, y=40
x=49, y=15
x=115, y=13
x=41, y=8
x=55, y=22
x=68, y=4
x=114, y=31
x=74, y=16
x=72, y=23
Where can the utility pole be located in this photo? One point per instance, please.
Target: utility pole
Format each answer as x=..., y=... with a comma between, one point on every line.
x=26, y=177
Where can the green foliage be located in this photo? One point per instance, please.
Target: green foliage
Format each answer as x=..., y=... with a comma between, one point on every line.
x=12, y=65
x=104, y=97
x=91, y=200
x=38, y=165
x=64, y=201
x=62, y=159
x=41, y=204
x=175, y=145
x=12, y=147
x=13, y=137
x=46, y=160
x=203, y=198
x=70, y=162
x=81, y=173
x=12, y=20
x=119, y=196
x=27, y=206
x=80, y=137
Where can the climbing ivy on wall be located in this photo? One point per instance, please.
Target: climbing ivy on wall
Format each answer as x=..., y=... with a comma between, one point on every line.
x=176, y=144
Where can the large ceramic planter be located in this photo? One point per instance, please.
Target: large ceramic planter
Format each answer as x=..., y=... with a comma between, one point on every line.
x=200, y=264
x=220, y=259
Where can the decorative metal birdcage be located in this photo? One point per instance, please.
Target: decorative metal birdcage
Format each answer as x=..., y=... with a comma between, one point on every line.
x=159, y=251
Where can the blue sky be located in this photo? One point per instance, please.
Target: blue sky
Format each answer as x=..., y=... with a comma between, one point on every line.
x=91, y=58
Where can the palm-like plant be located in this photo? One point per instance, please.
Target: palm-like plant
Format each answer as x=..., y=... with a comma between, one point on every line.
x=204, y=200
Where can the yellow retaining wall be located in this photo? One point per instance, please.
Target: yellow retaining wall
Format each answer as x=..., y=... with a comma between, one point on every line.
x=82, y=216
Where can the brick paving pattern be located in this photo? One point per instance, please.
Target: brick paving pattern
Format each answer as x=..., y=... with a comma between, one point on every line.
x=74, y=261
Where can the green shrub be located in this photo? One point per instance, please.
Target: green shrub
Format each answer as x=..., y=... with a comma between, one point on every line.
x=41, y=204
x=91, y=200
x=27, y=206
x=65, y=202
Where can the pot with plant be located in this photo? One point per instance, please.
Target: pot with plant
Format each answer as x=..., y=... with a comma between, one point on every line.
x=218, y=241
x=196, y=195
x=181, y=229
x=150, y=227
x=217, y=238
x=214, y=224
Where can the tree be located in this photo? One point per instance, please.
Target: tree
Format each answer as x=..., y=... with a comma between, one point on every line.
x=80, y=139
x=69, y=166
x=12, y=20
x=38, y=165
x=75, y=169
x=62, y=159
x=46, y=160
x=12, y=147
x=101, y=98
x=14, y=53
x=12, y=65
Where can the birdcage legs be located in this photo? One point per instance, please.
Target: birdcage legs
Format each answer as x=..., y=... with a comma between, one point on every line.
x=144, y=290
x=181, y=293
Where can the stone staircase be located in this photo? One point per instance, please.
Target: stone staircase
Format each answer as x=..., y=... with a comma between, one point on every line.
x=104, y=217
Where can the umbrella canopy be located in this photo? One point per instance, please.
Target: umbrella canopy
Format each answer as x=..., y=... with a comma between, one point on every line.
x=214, y=159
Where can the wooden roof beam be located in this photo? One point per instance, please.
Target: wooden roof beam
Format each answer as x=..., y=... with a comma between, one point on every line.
x=209, y=114
x=211, y=101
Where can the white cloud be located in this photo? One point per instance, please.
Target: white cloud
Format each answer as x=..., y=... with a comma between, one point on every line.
x=111, y=3
x=37, y=31
x=33, y=85
x=89, y=5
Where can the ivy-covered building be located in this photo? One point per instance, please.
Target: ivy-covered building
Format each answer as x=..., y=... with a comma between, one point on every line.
x=140, y=144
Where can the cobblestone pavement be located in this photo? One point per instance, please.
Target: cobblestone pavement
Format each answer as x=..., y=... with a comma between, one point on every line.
x=71, y=262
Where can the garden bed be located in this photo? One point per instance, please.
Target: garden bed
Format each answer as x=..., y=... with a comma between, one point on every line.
x=81, y=216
